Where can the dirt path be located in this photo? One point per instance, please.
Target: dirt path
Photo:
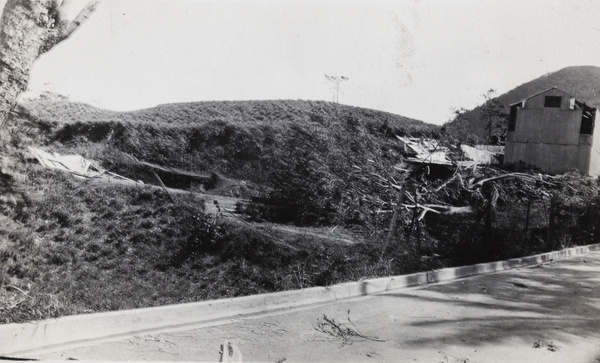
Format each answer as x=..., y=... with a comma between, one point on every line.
x=546, y=314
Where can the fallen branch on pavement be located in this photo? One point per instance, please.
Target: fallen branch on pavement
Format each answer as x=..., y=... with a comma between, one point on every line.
x=335, y=329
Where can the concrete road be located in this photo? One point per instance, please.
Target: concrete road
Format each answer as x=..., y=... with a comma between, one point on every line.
x=548, y=313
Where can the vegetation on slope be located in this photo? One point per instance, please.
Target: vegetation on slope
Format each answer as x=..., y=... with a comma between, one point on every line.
x=82, y=247
x=255, y=148
x=73, y=246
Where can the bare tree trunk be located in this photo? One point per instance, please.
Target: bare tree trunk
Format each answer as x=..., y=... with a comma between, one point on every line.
x=30, y=28
x=393, y=223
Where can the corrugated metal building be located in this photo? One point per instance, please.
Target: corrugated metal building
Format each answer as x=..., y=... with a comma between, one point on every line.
x=555, y=132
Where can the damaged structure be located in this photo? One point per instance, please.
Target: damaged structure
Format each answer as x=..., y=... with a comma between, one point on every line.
x=554, y=132
x=77, y=165
x=431, y=152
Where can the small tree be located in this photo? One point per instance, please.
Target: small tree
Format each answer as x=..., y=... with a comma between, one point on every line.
x=495, y=117
x=457, y=129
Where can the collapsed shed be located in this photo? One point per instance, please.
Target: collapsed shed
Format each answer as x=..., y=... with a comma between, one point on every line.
x=430, y=151
x=77, y=165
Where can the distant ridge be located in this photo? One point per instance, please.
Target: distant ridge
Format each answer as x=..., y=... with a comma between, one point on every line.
x=57, y=108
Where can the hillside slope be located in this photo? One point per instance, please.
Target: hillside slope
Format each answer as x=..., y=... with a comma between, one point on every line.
x=240, y=140
x=284, y=150
x=54, y=108
x=583, y=82
x=74, y=246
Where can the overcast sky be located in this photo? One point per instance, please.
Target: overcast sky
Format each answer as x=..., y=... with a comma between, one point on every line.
x=417, y=58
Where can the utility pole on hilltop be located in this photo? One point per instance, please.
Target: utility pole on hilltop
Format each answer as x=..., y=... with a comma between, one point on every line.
x=336, y=80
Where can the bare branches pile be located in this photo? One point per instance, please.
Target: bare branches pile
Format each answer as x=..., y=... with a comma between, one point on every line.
x=346, y=332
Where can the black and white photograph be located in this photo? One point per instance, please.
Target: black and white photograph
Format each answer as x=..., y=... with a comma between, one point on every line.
x=300, y=181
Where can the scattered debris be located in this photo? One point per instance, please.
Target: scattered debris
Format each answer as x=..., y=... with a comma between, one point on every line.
x=550, y=346
x=230, y=352
x=438, y=209
x=262, y=209
x=425, y=150
x=347, y=333
x=450, y=358
x=498, y=150
x=74, y=164
x=374, y=355
x=480, y=156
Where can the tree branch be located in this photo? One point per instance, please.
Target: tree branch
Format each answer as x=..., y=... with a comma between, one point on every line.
x=83, y=15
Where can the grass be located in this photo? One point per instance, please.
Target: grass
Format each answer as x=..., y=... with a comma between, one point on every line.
x=286, y=150
x=241, y=140
x=99, y=248
x=81, y=247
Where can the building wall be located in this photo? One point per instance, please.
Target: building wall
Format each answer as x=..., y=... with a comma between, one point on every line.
x=594, y=166
x=548, y=137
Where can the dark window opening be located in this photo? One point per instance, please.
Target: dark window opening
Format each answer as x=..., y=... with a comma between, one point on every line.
x=512, y=120
x=552, y=101
x=587, y=121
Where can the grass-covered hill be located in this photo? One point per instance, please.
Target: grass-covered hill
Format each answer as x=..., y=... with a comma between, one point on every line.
x=242, y=140
x=583, y=82
x=76, y=246
x=250, y=147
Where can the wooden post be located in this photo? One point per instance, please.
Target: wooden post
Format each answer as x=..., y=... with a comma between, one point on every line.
x=550, y=238
x=393, y=223
x=527, y=216
x=412, y=223
x=490, y=213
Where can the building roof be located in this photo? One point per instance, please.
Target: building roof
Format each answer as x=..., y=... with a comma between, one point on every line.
x=579, y=103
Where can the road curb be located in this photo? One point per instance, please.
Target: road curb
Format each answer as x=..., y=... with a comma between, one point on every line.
x=41, y=336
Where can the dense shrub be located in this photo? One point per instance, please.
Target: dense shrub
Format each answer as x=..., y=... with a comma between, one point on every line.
x=202, y=234
x=307, y=192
